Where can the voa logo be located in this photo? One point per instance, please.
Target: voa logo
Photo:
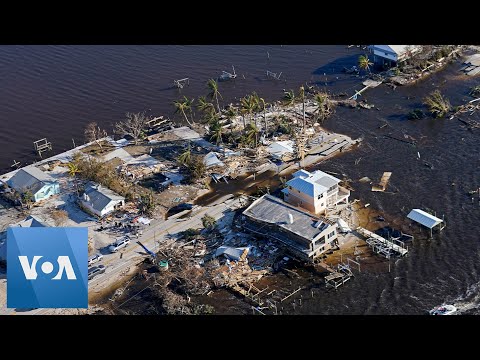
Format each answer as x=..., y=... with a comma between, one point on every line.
x=47, y=267
x=64, y=264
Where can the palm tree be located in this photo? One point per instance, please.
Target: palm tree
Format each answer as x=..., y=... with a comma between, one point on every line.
x=263, y=108
x=214, y=93
x=323, y=106
x=205, y=106
x=184, y=105
x=248, y=105
x=73, y=170
x=289, y=98
x=27, y=198
x=251, y=135
x=216, y=131
x=232, y=112
x=255, y=99
x=244, y=108
x=185, y=158
x=301, y=93
x=364, y=63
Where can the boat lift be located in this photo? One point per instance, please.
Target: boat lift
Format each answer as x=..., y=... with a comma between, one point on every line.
x=274, y=75
x=181, y=83
x=227, y=76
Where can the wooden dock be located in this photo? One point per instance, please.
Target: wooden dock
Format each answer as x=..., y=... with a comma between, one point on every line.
x=380, y=244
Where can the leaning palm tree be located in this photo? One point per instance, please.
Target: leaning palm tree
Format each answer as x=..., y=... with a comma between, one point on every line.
x=73, y=170
x=205, y=106
x=214, y=93
x=185, y=158
x=183, y=106
x=364, y=63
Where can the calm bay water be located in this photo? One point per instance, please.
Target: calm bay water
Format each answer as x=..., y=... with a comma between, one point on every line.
x=54, y=91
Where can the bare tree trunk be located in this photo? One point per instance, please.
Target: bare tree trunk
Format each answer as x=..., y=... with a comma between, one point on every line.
x=265, y=120
x=186, y=118
x=304, y=119
x=218, y=105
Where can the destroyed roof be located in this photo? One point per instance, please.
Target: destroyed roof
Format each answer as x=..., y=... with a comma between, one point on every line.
x=211, y=159
x=312, y=184
x=272, y=210
x=279, y=148
x=118, y=153
x=424, y=218
x=231, y=252
x=30, y=178
x=100, y=196
x=144, y=160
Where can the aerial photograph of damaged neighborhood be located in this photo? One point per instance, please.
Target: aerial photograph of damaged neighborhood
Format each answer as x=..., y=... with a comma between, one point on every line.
x=250, y=179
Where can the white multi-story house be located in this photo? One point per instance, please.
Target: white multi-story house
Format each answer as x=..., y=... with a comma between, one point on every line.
x=316, y=192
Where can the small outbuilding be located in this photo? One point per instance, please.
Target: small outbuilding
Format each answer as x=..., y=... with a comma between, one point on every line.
x=425, y=219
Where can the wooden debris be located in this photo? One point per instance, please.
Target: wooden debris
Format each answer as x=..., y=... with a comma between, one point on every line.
x=382, y=185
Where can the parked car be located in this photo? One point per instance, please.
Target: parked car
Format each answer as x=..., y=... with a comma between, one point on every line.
x=120, y=243
x=95, y=258
x=94, y=271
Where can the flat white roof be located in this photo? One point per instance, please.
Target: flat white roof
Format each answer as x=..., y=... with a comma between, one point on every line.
x=424, y=218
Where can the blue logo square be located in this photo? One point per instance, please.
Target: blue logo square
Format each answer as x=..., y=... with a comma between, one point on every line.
x=47, y=267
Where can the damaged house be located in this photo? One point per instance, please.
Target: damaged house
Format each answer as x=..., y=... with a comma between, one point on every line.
x=304, y=235
x=316, y=192
x=40, y=185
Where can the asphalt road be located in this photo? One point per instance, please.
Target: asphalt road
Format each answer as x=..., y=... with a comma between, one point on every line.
x=153, y=235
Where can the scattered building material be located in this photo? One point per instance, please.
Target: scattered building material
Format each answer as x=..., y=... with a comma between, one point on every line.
x=120, y=153
x=211, y=160
x=232, y=253
x=281, y=150
x=343, y=226
x=339, y=277
x=382, y=185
